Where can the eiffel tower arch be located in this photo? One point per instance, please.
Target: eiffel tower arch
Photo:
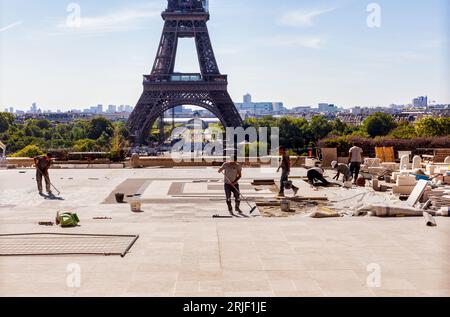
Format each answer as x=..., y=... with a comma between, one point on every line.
x=164, y=89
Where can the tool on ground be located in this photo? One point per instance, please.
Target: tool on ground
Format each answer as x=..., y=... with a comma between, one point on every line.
x=51, y=184
x=46, y=223
x=252, y=209
x=67, y=219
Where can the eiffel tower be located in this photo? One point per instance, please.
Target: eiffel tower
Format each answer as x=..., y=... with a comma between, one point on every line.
x=164, y=89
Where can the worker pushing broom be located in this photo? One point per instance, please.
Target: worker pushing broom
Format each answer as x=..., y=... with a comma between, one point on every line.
x=232, y=171
x=43, y=164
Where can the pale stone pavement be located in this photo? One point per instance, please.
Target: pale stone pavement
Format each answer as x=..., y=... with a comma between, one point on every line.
x=183, y=251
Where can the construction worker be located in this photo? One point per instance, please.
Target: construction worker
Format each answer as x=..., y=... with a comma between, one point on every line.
x=341, y=169
x=355, y=160
x=316, y=174
x=42, y=164
x=232, y=171
x=285, y=167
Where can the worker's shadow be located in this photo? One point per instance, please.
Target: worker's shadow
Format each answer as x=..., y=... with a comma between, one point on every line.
x=52, y=197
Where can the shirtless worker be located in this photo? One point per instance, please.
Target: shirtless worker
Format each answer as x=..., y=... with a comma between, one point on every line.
x=232, y=174
x=42, y=164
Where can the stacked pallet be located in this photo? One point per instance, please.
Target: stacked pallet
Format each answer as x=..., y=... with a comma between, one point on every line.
x=440, y=197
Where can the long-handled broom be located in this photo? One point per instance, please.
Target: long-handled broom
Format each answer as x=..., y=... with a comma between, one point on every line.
x=252, y=209
x=57, y=191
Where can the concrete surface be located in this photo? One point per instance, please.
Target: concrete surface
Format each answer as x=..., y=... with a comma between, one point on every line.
x=183, y=251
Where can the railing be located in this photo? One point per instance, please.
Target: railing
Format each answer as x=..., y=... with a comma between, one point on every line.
x=185, y=77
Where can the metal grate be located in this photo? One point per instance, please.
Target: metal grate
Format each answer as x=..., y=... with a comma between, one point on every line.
x=34, y=244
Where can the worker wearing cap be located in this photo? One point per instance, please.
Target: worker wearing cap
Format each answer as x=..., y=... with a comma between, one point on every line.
x=341, y=169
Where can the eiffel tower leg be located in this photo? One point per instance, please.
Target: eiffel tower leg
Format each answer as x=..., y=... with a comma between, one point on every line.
x=162, y=133
x=205, y=52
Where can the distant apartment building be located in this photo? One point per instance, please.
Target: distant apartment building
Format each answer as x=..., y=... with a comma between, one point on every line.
x=249, y=107
x=112, y=109
x=420, y=102
x=356, y=111
x=302, y=109
x=327, y=108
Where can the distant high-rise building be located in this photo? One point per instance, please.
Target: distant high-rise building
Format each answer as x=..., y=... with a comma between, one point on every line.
x=33, y=108
x=327, y=108
x=99, y=109
x=112, y=109
x=121, y=108
x=356, y=111
x=420, y=102
x=128, y=108
x=259, y=108
x=247, y=98
x=11, y=110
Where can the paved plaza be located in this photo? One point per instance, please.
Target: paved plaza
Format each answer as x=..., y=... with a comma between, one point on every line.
x=183, y=251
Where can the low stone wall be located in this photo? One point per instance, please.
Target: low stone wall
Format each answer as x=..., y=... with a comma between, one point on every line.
x=20, y=162
x=142, y=162
x=25, y=162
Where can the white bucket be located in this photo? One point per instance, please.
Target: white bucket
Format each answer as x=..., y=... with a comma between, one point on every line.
x=135, y=205
x=309, y=162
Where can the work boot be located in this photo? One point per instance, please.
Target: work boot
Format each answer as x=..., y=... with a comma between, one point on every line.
x=281, y=195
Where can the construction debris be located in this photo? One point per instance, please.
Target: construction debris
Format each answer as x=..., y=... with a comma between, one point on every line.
x=429, y=220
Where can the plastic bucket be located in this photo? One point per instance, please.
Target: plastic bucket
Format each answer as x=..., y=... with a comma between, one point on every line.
x=135, y=205
x=120, y=197
x=285, y=205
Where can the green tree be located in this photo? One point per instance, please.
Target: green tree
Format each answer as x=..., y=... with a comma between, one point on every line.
x=98, y=127
x=379, y=124
x=432, y=127
x=6, y=120
x=404, y=130
x=29, y=151
x=43, y=124
x=84, y=145
x=320, y=127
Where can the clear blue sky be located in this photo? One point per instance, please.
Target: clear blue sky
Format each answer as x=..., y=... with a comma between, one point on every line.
x=299, y=52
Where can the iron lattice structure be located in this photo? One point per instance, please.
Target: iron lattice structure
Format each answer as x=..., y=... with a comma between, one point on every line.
x=164, y=89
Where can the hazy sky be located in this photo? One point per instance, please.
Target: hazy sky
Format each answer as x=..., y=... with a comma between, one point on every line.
x=300, y=52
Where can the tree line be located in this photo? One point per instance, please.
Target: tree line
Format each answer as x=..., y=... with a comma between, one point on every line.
x=296, y=134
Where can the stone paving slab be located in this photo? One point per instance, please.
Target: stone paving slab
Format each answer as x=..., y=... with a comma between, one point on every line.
x=183, y=251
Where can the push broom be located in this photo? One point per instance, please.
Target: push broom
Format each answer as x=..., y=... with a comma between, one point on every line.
x=252, y=209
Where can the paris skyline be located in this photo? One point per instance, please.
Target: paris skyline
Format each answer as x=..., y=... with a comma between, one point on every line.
x=301, y=53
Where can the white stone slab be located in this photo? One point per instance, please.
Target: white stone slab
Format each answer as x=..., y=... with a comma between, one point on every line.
x=157, y=189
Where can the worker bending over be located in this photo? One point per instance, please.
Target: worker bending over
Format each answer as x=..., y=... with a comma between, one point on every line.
x=342, y=169
x=43, y=164
x=316, y=174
